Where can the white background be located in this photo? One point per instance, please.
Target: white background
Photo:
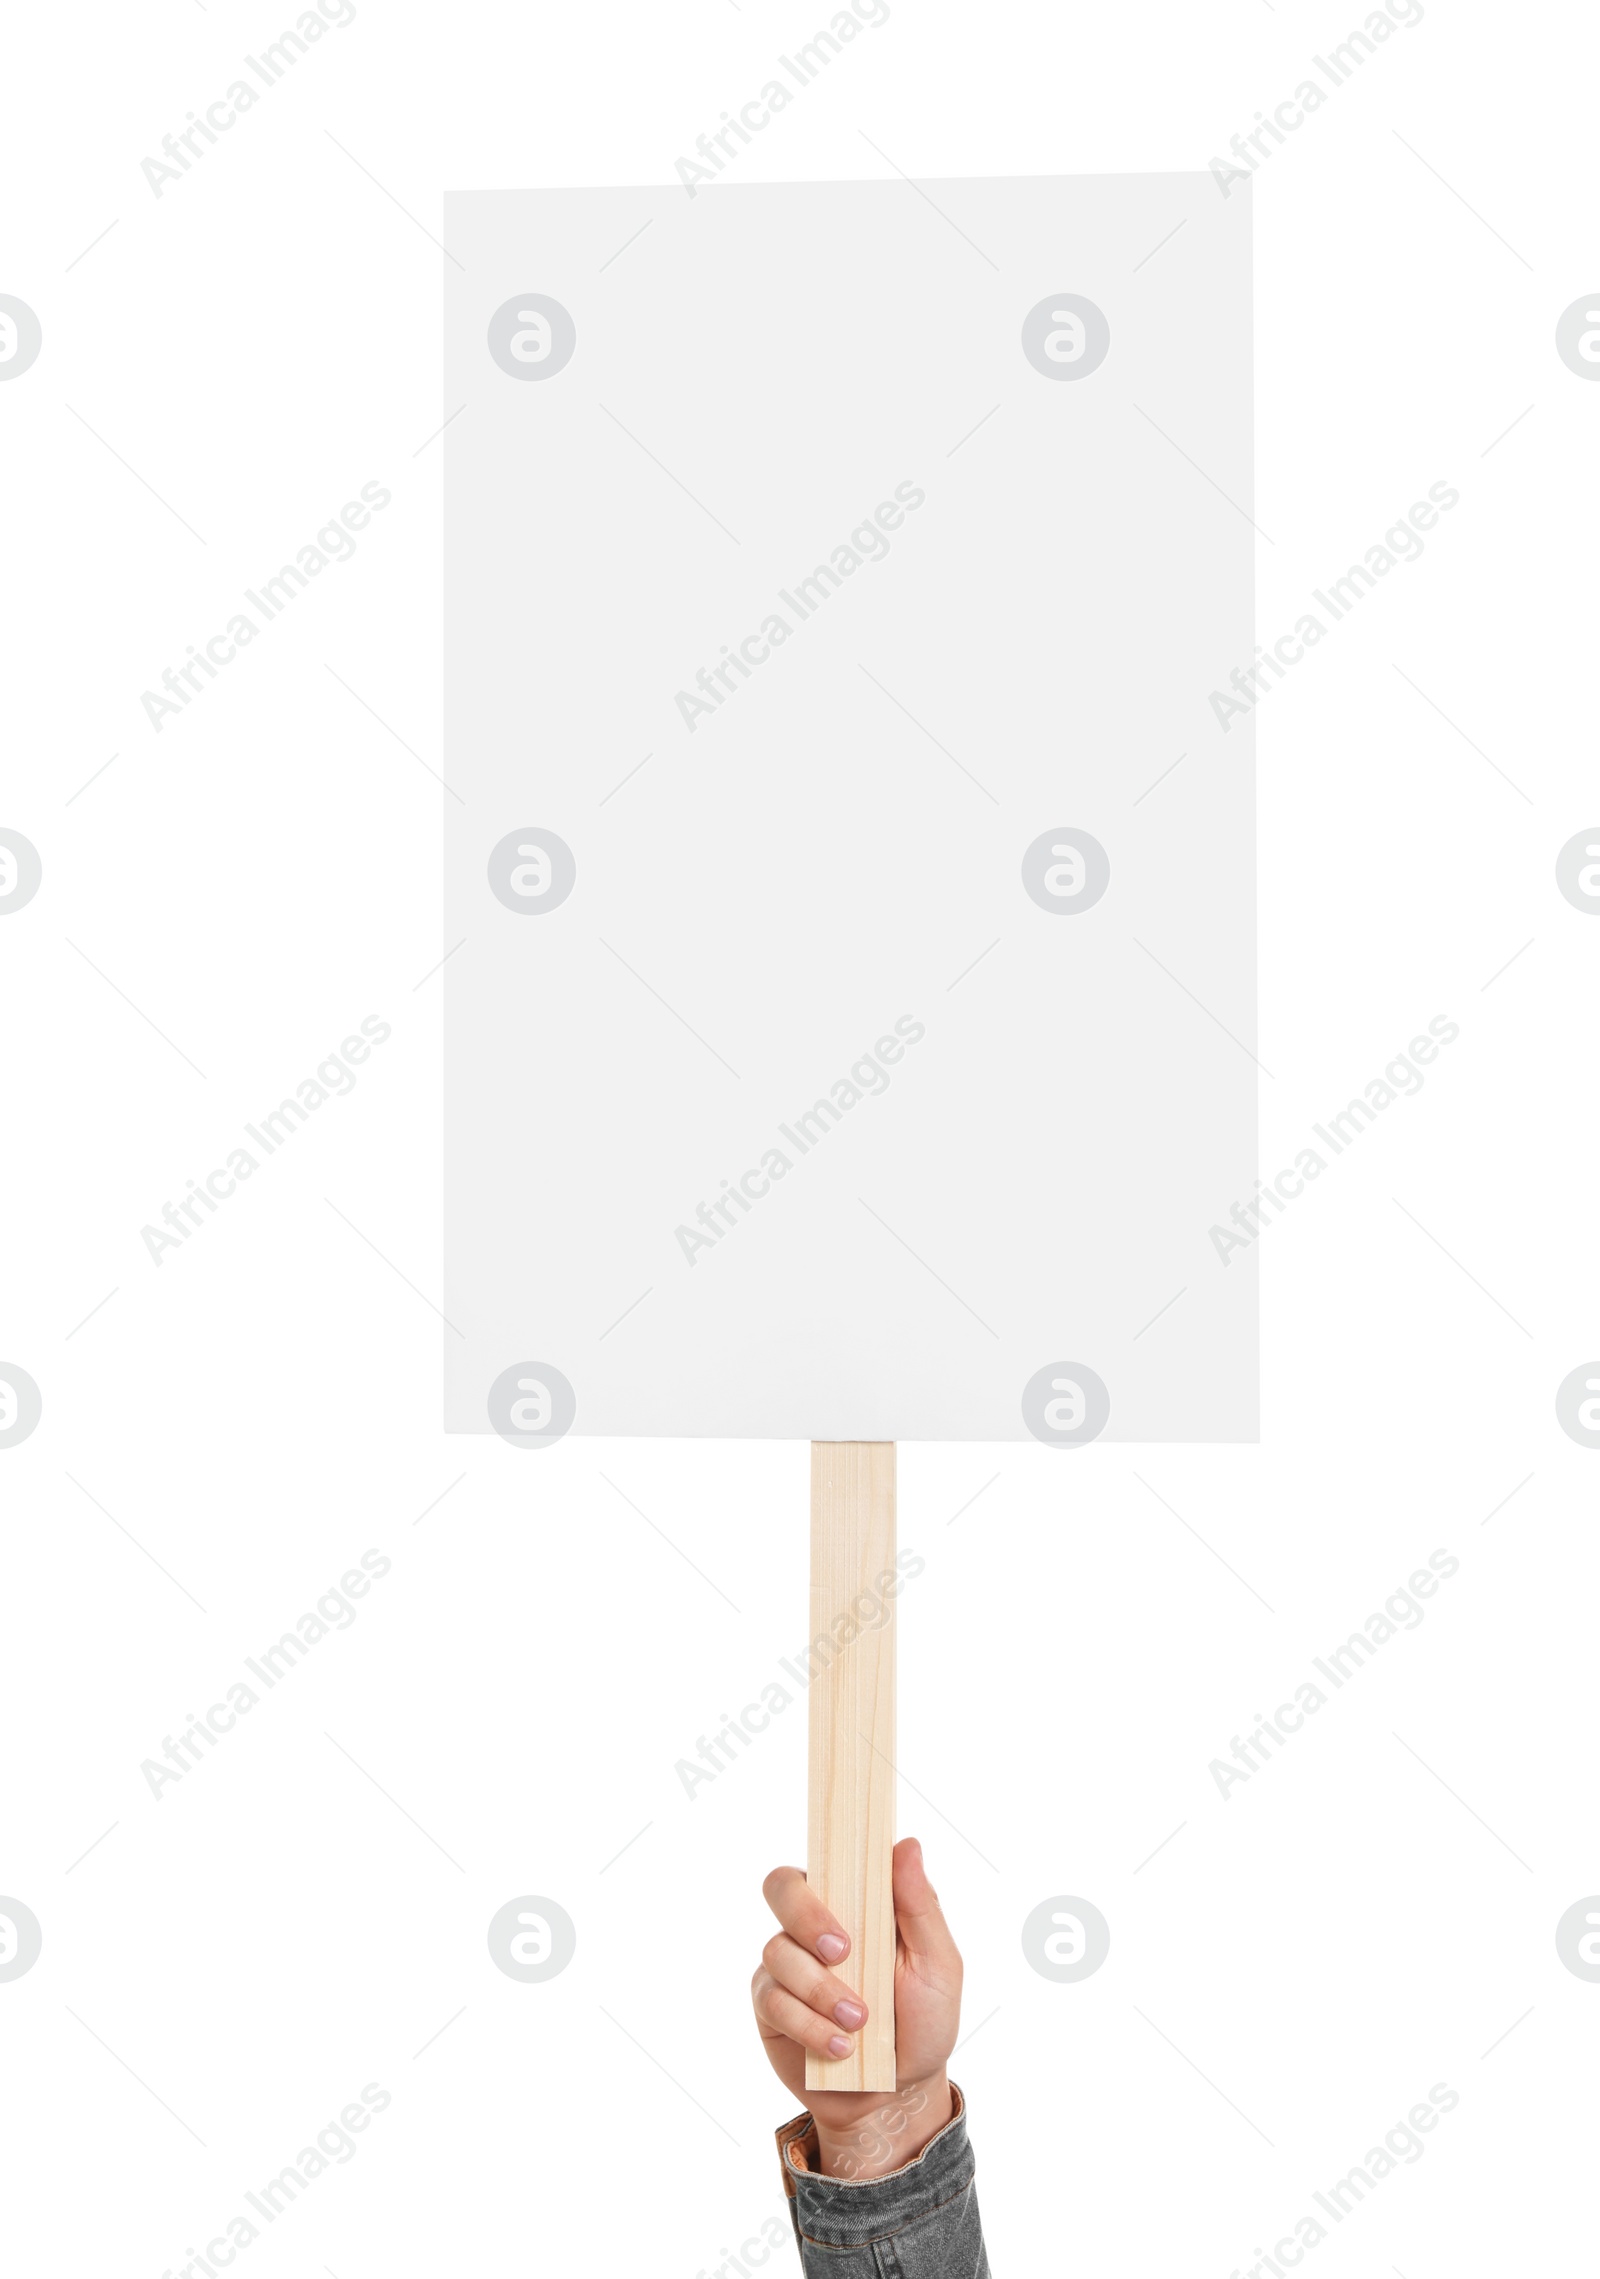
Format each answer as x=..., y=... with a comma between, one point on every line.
x=226, y=1968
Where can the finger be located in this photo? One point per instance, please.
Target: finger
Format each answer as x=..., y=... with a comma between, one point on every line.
x=803, y=1915
x=923, y=1929
x=760, y=1980
x=818, y=1989
x=780, y=2012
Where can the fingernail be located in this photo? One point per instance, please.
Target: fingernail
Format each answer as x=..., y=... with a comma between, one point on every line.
x=851, y=2014
x=838, y=2046
x=831, y=1947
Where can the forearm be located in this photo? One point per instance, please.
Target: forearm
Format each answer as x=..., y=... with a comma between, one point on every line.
x=890, y=2135
x=904, y=2173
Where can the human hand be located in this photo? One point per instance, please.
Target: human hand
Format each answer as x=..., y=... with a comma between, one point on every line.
x=801, y=2005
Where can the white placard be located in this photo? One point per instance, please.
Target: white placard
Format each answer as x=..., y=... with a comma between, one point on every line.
x=852, y=1030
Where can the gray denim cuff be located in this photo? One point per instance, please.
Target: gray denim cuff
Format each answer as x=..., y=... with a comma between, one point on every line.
x=842, y=2212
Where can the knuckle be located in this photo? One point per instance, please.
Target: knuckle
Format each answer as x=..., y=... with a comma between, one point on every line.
x=779, y=1888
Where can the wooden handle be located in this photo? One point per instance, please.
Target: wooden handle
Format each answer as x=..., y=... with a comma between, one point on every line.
x=850, y=1818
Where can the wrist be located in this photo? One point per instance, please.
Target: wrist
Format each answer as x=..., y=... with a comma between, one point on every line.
x=888, y=2135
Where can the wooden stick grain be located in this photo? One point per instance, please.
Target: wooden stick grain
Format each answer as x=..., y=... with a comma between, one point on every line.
x=851, y=1799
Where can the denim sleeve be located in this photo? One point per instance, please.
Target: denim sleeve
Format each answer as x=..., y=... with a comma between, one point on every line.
x=919, y=2222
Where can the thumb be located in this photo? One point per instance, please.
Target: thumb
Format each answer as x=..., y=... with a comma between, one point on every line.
x=923, y=1929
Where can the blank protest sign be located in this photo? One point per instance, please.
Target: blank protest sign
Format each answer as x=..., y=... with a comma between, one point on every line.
x=854, y=1020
